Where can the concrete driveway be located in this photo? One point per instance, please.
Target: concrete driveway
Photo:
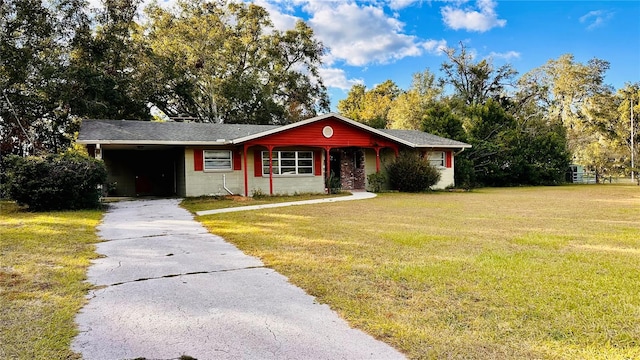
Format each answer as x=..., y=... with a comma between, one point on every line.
x=166, y=288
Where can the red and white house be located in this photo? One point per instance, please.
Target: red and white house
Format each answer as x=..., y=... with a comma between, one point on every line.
x=194, y=159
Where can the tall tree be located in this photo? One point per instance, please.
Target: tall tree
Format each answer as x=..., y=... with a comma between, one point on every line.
x=564, y=90
x=106, y=66
x=36, y=39
x=409, y=108
x=224, y=63
x=475, y=82
x=441, y=119
x=370, y=107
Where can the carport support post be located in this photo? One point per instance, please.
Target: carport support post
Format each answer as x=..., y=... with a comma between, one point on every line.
x=98, y=152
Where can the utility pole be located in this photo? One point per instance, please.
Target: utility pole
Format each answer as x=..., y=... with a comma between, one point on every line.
x=632, y=136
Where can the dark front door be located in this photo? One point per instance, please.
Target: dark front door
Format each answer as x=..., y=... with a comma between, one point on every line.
x=347, y=164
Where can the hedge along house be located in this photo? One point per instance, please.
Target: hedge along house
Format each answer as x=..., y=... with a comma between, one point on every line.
x=194, y=159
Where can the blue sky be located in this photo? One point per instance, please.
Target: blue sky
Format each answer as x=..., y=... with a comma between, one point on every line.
x=369, y=42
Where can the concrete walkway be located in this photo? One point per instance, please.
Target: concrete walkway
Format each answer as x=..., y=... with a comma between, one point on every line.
x=356, y=195
x=166, y=287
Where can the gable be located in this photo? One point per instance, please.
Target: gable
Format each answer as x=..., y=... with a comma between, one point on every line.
x=326, y=132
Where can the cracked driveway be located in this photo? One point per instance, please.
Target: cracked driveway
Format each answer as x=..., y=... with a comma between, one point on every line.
x=166, y=287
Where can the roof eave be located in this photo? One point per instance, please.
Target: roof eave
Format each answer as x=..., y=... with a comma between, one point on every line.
x=153, y=142
x=460, y=146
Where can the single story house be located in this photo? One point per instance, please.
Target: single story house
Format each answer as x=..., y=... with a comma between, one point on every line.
x=194, y=159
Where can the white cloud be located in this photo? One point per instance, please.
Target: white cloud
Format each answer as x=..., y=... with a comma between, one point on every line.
x=596, y=18
x=361, y=34
x=435, y=46
x=336, y=78
x=281, y=20
x=401, y=4
x=471, y=19
x=506, y=55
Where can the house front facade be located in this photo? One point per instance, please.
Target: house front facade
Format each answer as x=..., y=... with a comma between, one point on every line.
x=194, y=159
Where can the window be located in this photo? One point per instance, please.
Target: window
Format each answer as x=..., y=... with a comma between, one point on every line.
x=436, y=158
x=288, y=162
x=217, y=160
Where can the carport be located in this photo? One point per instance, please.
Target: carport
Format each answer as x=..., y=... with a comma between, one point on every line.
x=142, y=170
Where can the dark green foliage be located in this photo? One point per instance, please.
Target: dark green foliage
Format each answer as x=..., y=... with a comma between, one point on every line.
x=376, y=181
x=332, y=183
x=55, y=182
x=506, y=153
x=440, y=120
x=539, y=154
x=411, y=173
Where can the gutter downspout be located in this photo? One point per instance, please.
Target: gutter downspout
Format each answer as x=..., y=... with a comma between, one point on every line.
x=456, y=154
x=224, y=184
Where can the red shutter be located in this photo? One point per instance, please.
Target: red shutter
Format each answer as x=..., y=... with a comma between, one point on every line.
x=317, y=162
x=257, y=163
x=448, y=157
x=198, y=161
x=237, y=160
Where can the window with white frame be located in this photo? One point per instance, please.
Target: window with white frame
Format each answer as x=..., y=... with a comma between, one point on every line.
x=288, y=162
x=436, y=158
x=217, y=160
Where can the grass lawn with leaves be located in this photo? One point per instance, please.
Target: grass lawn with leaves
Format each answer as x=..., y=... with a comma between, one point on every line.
x=43, y=263
x=537, y=272
x=202, y=203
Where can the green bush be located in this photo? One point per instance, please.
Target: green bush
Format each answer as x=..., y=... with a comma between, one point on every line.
x=411, y=173
x=54, y=182
x=376, y=181
x=333, y=184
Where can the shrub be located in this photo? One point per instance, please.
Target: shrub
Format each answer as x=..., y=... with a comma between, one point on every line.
x=411, y=173
x=54, y=182
x=332, y=183
x=376, y=181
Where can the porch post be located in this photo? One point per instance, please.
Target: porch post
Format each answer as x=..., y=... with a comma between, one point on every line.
x=245, y=147
x=270, y=148
x=377, y=159
x=327, y=169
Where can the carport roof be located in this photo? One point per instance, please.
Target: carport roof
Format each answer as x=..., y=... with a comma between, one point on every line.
x=187, y=133
x=176, y=133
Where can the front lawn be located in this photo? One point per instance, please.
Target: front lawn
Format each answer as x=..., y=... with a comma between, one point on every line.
x=43, y=262
x=202, y=203
x=543, y=272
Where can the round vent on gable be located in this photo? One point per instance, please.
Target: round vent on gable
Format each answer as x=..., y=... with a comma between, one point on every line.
x=327, y=131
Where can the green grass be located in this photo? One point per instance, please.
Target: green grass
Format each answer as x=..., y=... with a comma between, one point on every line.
x=535, y=273
x=201, y=203
x=43, y=262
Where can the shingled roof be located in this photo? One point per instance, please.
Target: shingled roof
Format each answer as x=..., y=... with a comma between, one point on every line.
x=423, y=139
x=179, y=133
x=146, y=132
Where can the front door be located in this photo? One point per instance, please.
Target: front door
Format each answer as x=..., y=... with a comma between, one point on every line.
x=347, y=164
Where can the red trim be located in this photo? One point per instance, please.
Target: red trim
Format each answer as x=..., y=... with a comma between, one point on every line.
x=198, y=160
x=257, y=163
x=448, y=157
x=270, y=169
x=237, y=160
x=317, y=162
x=246, y=176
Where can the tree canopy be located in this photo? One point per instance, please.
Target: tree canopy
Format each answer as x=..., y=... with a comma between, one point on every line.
x=210, y=60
